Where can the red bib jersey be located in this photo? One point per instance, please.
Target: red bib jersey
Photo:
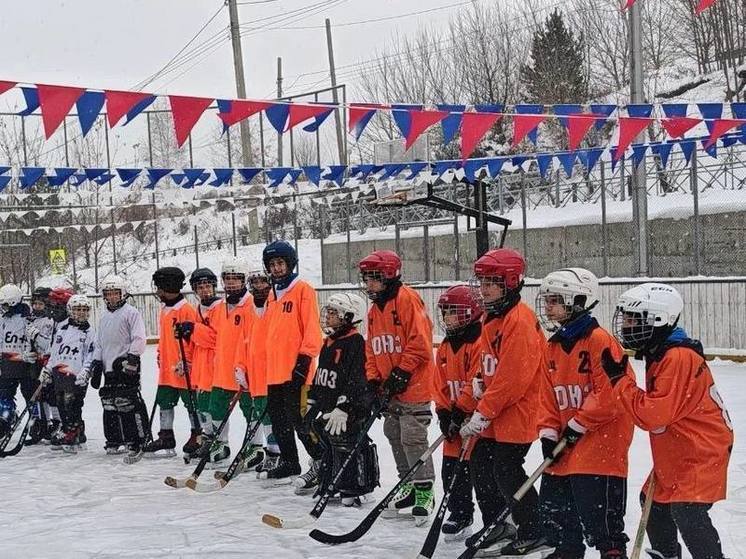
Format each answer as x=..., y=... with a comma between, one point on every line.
x=691, y=435
x=203, y=338
x=576, y=391
x=233, y=325
x=169, y=355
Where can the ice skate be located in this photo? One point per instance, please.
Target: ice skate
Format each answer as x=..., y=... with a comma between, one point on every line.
x=534, y=547
x=113, y=449
x=402, y=503
x=501, y=536
x=457, y=527
x=191, y=447
x=424, y=497
x=309, y=481
x=282, y=474
x=163, y=447
x=219, y=453
x=356, y=501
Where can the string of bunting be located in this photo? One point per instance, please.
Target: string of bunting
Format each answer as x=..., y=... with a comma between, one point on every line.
x=702, y=5
x=470, y=122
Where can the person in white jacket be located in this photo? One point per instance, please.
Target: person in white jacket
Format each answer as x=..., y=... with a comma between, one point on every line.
x=119, y=344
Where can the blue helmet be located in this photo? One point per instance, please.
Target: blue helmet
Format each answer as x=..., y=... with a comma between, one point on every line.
x=280, y=249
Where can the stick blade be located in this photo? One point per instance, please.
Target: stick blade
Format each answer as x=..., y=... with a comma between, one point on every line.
x=290, y=523
x=175, y=483
x=211, y=487
x=332, y=539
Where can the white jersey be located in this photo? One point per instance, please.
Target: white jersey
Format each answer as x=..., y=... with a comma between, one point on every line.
x=14, y=344
x=72, y=348
x=120, y=332
x=43, y=341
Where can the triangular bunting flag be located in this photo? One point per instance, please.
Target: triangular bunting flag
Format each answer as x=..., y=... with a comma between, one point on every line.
x=416, y=168
x=31, y=97
x=156, y=175
x=178, y=178
x=119, y=103
x=628, y=4
x=567, y=160
x=294, y=174
x=93, y=174
x=563, y=110
x=234, y=111
x=471, y=166
x=687, y=148
x=577, y=128
x=710, y=112
x=222, y=176
x=313, y=174
x=358, y=116
x=703, y=5
x=318, y=120
x=615, y=161
x=299, y=112
x=186, y=112
x=629, y=128
x=77, y=179
x=277, y=175
x=528, y=121
x=603, y=111
x=519, y=160
x=663, y=151
x=192, y=175
x=30, y=176
x=720, y=127
x=400, y=114
x=525, y=125
x=679, y=125
x=4, y=170
x=335, y=174
x=6, y=86
x=495, y=165
x=60, y=176
x=638, y=153
x=672, y=110
x=55, y=102
x=4, y=181
x=128, y=176
x=248, y=173
x=452, y=122
x=489, y=108
x=544, y=162
x=473, y=128
x=729, y=140
x=139, y=108
x=642, y=110
x=392, y=170
x=103, y=178
x=89, y=107
x=440, y=167
x=710, y=149
x=419, y=122
x=277, y=114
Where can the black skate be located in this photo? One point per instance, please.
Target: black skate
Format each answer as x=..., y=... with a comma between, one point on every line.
x=219, y=453
x=653, y=554
x=499, y=537
x=522, y=548
x=282, y=474
x=309, y=481
x=557, y=554
x=253, y=458
x=57, y=438
x=356, y=501
x=73, y=441
x=37, y=432
x=193, y=445
x=402, y=503
x=163, y=447
x=271, y=459
x=112, y=449
x=457, y=527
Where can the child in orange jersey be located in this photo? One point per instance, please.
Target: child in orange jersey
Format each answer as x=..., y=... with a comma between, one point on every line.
x=457, y=360
x=172, y=385
x=505, y=418
x=585, y=488
x=691, y=435
x=399, y=362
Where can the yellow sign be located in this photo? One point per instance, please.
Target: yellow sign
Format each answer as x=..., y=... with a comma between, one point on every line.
x=58, y=260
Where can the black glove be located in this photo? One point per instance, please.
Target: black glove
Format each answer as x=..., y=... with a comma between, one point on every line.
x=300, y=371
x=97, y=369
x=306, y=425
x=131, y=365
x=397, y=382
x=547, y=448
x=615, y=370
x=444, y=421
x=571, y=435
x=183, y=330
x=457, y=420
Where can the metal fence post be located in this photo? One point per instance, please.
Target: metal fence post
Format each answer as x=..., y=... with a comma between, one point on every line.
x=113, y=240
x=694, y=185
x=523, y=213
x=457, y=249
x=233, y=228
x=604, y=225
x=348, y=248
x=196, y=247
x=426, y=250
x=557, y=189
x=155, y=230
x=321, y=241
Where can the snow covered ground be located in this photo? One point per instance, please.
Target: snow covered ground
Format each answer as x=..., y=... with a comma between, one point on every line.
x=92, y=505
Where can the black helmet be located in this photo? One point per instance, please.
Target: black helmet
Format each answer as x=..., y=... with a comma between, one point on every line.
x=280, y=249
x=203, y=275
x=41, y=294
x=170, y=279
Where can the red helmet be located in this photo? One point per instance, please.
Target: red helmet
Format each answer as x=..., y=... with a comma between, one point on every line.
x=459, y=299
x=60, y=295
x=504, y=263
x=386, y=262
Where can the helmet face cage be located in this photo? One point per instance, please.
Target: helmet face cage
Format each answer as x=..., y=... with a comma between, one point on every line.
x=331, y=319
x=230, y=277
x=553, y=310
x=480, y=284
x=113, y=297
x=199, y=286
x=259, y=285
x=633, y=329
x=454, y=317
x=79, y=312
x=372, y=275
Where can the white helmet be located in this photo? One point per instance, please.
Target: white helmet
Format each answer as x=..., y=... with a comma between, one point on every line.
x=234, y=266
x=10, y=295
x=574, y=288
x=642, y=309
x=112, y=283
x=349, y=306
x=78, y=308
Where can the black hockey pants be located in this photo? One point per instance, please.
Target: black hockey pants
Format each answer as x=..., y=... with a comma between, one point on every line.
x=692, y=521
x=284, y=409
x=460, y=503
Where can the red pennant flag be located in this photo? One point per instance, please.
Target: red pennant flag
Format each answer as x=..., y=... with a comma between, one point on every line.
x=720, y=127
x=473, y=127
x=358, y=111
x=577, y=127
x=523, y=124
x=55, y=102
x=241, y=110
x=677, y=126
x=419, y=121
x=299, y=112
x=629, y=128
x=703, y=5
x=186, y=112
x=119, y=103
x=628, y=4
x=5, y=86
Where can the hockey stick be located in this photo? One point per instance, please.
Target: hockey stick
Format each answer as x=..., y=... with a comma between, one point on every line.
x=148, y=438
x=181, y=483
x=6, y=439
x=361, y=529
x=431, y=541
x=471, y=551
x=193, y=403
x=318, y=509
x=646, y=507
x=218, y=484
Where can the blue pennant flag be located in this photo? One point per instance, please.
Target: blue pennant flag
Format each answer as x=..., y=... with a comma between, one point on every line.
x=400, y=114
x=519, y=160
x=89, y=106
x=564, y=110
x=248, y=173
x=77, y=179
x=4, y=182
x=156, y=175
x=489, y=108
x=363, y=170
x=710, y=111
x=615, y=162
x=204, y=177
x=712, y=151
x=92, y=174
x=589, y=157
x=192, y=175
x=128, y=176
x=729, y=140
x=604, y=111
x=30, y=176
x=103, y=178
x=687, y=148
x=471, y=166
x=335, y=174
x=530, y=110
x=495, y=165
x=663, y=151
x=277, y=175
x=222, y=176
x=638, y=153
x=31, y=97
x=313, y=174
x=277, y=115
x=440, y=167
x=567, y=160
x=739, y=111
x=61, y=174
x=672, y=110
x=294, y=174
x=4, y=170
x=138, y=108
x=544, y=162
x=392, y=170
x=452, y=122
x=416, y=168
x=178, y=178
x=224, y=106
x=643, y=110
x=317, y=121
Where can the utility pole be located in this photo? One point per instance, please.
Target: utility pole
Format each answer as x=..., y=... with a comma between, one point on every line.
x=279, y=94
x=246, y=154
x=335, y=97
x=638, y=175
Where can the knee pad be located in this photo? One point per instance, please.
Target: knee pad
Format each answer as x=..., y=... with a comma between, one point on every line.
x=361, y=475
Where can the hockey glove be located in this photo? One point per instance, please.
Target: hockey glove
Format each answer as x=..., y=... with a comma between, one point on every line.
x=45, y=377
x=312, y=412
x=30, y=356
x=131, y=366
x=397, y=382
x=83, y=376
x=457, y=420
x=97, y=369
x=183, y=330
x=547, y=448
x=32, y=332
x=476, y=424
x=477, y=387
x=615, y=370
x=444, y=422
x=300, y=371
x=571, y=435
x=179, y=368
x=240, y=375
x=336, y=422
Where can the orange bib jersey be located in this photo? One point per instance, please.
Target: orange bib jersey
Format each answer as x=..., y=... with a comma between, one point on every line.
x=576, y=390
x=401, y=335
x=204, y=338
x=513, y=346
x=233, y=327
x=292, y=328
x=169, y=354
x=251, y=355
x=455, y=366
x=690, y=431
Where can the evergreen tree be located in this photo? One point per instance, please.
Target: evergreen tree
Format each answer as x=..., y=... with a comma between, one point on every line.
x=557, y=70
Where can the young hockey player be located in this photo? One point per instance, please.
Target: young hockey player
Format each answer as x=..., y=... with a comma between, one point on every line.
x=337, y=405
x=58, y=299
x=457, y=360
x=293, y=340
x=39, y=336
x=505, y=418
x=584, y=491
x=172, y=384
x=120, y=342
x=399, y=365
x=70, y=365
x=691, y=436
